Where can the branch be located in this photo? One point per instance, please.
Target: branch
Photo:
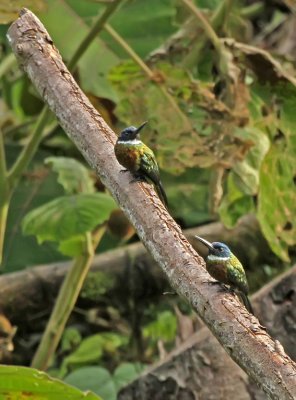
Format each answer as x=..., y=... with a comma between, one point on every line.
x=240, y=333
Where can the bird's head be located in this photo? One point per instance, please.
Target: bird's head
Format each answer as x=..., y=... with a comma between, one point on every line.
x=131, y=132
x=217, y=250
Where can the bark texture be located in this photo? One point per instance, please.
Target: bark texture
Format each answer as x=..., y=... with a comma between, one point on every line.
x=240, y=333
x=200, y=368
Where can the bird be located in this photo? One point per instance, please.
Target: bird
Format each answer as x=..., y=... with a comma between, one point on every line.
x=139, y=159
x=225, y=267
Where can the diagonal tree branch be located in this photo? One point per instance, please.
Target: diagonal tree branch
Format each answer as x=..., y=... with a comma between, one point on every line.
x=240, y=333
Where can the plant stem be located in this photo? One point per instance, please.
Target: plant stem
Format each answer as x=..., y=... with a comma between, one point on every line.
x=4, y=195
x=65, y=302
x=148, y=72
x=96, y=28
x=29, y=150
x=7, y=63
x=211, y=34
x=217, y=20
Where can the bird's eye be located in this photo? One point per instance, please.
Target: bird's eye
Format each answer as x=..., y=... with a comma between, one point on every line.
x=220, y=249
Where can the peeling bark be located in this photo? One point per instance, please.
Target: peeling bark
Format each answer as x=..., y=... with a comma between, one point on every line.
x=200, y=368
x=239, y=333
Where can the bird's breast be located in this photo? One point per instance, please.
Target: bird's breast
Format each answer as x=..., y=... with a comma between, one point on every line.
x=128, y=156
x=218, y=271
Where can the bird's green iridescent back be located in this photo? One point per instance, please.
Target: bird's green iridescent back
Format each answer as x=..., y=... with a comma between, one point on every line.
x=230, y=272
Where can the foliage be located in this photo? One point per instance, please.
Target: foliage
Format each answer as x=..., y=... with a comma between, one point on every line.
x=221, y=122
x=18, y=383
x=67, y=219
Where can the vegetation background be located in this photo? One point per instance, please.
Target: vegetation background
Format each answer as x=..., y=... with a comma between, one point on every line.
x=216, y=81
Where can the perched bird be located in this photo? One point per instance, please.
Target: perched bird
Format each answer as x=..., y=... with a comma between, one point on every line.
x=224, y=266
x=138, y=158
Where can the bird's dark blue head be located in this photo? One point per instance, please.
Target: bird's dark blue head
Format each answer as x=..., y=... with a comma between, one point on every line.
x=130, y=133
x=216, y=249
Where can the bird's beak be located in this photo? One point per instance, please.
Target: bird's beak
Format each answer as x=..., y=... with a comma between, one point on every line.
x=141, y=127
x=205, y=242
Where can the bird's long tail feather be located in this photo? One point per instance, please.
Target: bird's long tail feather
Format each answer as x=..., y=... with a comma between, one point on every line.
x=161, y=193
x=246, y=302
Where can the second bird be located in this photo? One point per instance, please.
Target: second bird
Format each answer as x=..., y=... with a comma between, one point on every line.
x=224, y=266
x=138, y=158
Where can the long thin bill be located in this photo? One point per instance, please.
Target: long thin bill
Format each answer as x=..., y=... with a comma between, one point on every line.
x=141, y=126
x=205, y=242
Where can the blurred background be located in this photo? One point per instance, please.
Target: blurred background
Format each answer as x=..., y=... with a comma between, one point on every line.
x=216, y=81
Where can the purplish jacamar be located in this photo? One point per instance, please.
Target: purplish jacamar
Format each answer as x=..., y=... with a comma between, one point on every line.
x=225, y=267
x=138, y=158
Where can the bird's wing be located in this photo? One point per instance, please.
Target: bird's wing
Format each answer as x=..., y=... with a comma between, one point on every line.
x=148, y=164
x=237, y=276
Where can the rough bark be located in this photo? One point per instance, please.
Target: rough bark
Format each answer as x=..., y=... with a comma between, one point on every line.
x=239, y=333
x=34, y=290
x=200, y=368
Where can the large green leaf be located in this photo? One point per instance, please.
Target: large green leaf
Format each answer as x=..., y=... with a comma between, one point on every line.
x=67, y=29
x=68, y=216
x=20, y=383
x=72, y=175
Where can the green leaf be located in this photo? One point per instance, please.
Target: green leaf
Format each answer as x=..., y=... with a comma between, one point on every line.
x=96, y=379
x=125, y=373
x=20, y=383
x=247, y=171
x=164, y=327
x=277, y=199
x=74, y=246
x=92, y=348
x=235, y=203
x=72, y=175
x=68, y=216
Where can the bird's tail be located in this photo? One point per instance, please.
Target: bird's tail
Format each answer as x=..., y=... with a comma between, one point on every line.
x=246, y=302
x=161, y=193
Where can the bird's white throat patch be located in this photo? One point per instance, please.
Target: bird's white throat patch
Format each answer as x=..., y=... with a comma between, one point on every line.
x=212, y=257
x=133, y=141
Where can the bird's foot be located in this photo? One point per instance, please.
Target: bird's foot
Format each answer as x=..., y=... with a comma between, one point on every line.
x=138, y=178
x=221, y=285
